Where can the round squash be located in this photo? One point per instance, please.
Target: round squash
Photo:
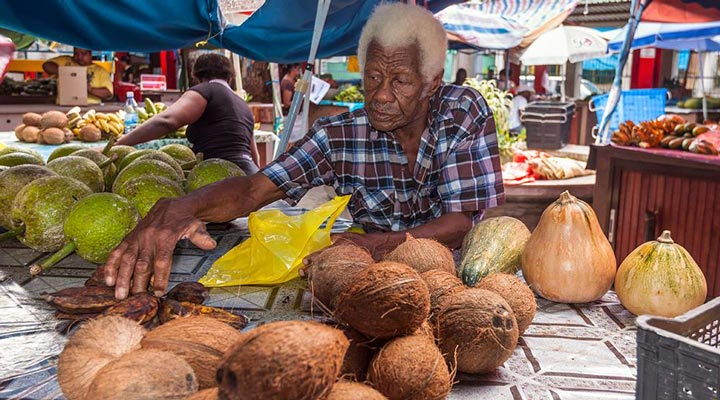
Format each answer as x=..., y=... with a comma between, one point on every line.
x=660, y=278
x=568, y=259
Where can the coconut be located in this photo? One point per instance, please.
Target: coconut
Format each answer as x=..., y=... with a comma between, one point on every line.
x=52, y=135
x=31, y=119
x=358, y=355
x=344, y=390
x=297, y=360
x=93, y=346
x=518, y=295
x=441, y=284
x=144, y=375
x=30, y=134
x=410, y=367
x=205, y=394
x=18, y=129
x=53, y=119
x=199, y=340
x=477, y=328
x=332, y=270
x=384, y=300
x=425, y=330
x=90, y=133
x=423, y=255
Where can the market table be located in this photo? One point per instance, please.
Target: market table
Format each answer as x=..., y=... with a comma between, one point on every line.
x=575, y=351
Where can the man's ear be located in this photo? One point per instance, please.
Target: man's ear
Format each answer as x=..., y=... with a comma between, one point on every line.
x=435, y=83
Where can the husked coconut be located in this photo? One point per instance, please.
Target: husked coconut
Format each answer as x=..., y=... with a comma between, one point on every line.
x=30, y=134
x=53, y=119
x=476, y=329
x=31, y=119
x=333, y=269
x=18, y=129
x=345, y=390
x=358, y=355
x=144, y=375
x=205, y=394
x=411, y=368
x=384, y=300
x=285, y=360
x=52, y=135
x=441, y=284
x=97, y=343
x=519, y=295
x=423, y=255
x=199, y=340
x=90, y=133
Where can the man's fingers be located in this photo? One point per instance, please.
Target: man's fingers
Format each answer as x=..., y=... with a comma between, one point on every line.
x=142, y=272
x=200, y=237
x=163, y=264
x=112, y=264
x=125, y=272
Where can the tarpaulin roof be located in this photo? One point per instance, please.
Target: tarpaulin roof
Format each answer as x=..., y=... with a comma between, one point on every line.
x=670, y=36
x=279, y=31
x=504, y=24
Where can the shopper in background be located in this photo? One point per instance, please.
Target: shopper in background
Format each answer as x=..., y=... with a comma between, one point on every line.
x=99, y=88
x=220, y=123
x=460, y=77
x=519, y=103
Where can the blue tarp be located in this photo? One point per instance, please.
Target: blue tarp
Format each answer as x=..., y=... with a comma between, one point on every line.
x=280, y=31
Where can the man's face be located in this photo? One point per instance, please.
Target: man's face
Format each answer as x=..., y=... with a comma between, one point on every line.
x=395, y=94
x=82, y=56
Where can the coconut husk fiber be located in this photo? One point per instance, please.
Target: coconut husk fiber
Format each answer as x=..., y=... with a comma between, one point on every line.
x=519, y=295
x=384, y=300
x=358, y=355
x=477, y=328
x=423, y=255
x=199, y=340
x=410, y=368
x=286, y=360
x=144, y=375
x=93, y=346
x=344, y=390
x=205, y=394
x=441, y=284
x=332, y=270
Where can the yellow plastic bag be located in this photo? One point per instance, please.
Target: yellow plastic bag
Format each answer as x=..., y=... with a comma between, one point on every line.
x=276, y=247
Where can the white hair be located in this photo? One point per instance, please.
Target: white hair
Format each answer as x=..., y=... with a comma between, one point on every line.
x=398, y=25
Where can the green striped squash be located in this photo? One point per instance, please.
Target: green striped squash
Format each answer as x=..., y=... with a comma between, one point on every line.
x=493, y=245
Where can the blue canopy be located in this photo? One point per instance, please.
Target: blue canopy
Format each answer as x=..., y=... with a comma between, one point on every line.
x=692, y=36
x=279, y=31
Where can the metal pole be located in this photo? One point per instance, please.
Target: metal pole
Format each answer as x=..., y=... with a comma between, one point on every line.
x=702, y=85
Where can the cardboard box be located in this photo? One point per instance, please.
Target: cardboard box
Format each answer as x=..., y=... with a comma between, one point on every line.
x=72, y=86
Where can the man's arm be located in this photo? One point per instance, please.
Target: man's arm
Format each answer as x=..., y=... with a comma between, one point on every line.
x=450, y=229
x=50, y=67
x=100, y=92
x=148, y=249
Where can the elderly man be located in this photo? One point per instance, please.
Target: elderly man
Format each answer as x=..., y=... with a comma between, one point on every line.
x=419, y=158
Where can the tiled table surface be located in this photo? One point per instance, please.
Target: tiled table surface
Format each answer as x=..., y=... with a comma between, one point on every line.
x=570, y=352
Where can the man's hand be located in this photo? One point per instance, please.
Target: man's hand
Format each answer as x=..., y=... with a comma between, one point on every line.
x=148, y=249
x=378, y=244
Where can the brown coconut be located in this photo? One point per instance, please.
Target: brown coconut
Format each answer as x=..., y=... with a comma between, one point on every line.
x=90, y=348
x=358, y=355
x=201, y=341
x=519, y=295
x=297, y=360
x=410, y=368
x=18, y=129
x=31, y=119
x=477, y=328
x=53, y=119
x=344, y=390
x=426, y=330
x=90, y=133
x=144, y=375
x=30, y=134
x=52, y=136
x=333, y=269
x=441, y=284
x=423, y=255
x=205, y=394
x=385, y=300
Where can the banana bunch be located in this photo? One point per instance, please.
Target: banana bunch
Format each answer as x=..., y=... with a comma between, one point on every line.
x=108, y=123
x=150, y=109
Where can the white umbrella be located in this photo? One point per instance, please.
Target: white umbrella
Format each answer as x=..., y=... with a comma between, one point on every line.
x=565, y=44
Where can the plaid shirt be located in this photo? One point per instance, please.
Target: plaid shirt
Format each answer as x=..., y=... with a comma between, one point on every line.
x=457, y=167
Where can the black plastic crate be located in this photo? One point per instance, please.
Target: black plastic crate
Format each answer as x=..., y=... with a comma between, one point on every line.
x=678, y=358
x=548, y=124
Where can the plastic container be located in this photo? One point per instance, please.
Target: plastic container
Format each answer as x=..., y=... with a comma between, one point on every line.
x=636, y=105
x=548, y=124
x=131, y=117
x=678, y=358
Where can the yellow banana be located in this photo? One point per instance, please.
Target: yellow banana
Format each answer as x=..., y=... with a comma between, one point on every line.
x=104, y=125
x=76, y=131
x=113, y=117
x=112, y=125
x=101, y=116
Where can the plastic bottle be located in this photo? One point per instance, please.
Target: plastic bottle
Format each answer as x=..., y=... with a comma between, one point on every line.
x=131, y=117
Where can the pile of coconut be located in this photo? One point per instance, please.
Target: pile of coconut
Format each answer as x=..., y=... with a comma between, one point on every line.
x=404, y=327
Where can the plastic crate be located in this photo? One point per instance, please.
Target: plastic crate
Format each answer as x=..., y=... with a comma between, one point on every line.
x=678, y=358
x=636, y=105
x=548, y=124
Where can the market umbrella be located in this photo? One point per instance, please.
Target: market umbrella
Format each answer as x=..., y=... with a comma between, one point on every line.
x=6, y=51
x=700, y=37
x=565, y=44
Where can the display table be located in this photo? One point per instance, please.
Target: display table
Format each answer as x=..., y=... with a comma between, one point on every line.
x=11, y=114
x=641, y=192
x=693, y=114
x=584, y=351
